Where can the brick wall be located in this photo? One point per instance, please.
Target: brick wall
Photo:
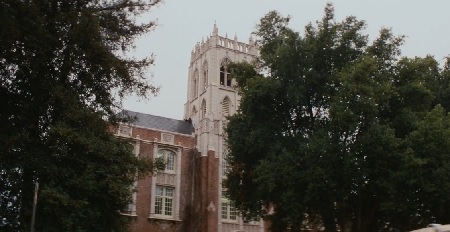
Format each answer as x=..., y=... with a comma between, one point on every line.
x=205, y=208
x=148, y=140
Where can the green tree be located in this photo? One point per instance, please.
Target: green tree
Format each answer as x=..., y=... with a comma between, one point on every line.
x=63, y=73
x=331, y=130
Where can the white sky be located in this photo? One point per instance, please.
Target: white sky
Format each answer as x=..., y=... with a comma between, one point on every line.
x=183, y=23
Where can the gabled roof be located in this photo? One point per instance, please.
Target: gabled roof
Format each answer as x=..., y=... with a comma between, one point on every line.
x=159, y=123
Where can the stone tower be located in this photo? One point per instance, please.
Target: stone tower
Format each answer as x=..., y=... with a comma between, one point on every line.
x=212, y=96
x=211, y=91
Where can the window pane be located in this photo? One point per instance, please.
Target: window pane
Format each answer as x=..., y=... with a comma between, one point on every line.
x=158, y=205
x=169, y=192
x=224, y=210
x=159, y=191
x=233, y=213
x=169, y=158
x=228, y=211
x=160, y=153
x=170, y=161
x=168, y=207
x=164, y=200
x=128, y=208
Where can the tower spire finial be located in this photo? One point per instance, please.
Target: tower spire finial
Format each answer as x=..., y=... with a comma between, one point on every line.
x=215, y=29
x=251, y=41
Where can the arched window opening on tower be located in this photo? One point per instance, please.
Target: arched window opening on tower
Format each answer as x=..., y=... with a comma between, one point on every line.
x=225, y=75
x=222, y=75
x=205, y=75
x=195, y=86
x=226, y=106
x=203, y=108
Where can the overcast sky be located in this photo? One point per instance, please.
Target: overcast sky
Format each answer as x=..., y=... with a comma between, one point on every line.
x=182, y=24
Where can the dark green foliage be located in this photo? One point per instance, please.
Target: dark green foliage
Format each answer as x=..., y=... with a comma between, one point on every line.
x=63, y=71
x=339, y=132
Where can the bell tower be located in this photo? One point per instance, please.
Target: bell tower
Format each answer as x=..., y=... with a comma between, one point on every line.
x=212, y=91
x=211, y=96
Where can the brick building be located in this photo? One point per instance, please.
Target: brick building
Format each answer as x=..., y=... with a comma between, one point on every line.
x=188, y=195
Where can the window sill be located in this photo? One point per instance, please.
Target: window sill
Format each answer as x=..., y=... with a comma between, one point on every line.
x=128, y=214
x=167, y=172
x=163, y=218
x=230, y=221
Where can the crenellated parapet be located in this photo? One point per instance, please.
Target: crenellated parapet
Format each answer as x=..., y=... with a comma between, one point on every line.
x=215, y=41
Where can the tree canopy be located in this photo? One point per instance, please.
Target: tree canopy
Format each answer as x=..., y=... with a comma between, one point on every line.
x=340, y=132
x=63, y=73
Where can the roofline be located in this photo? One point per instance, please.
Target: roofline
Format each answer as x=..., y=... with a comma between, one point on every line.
x=159, y=130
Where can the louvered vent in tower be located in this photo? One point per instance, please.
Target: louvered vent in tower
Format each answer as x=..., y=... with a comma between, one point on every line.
x=226, y=106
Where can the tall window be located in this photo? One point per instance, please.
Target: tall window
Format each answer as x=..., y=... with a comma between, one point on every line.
x=205, y=75
x=130, y=208
x=164, y=200
x=228, y=211
x=225, y=75
x=203, y=108
x=224, y=161
x=195, y=87
x=169, y=159
x=205, y=79
x=195, y=84
x=222, y=75
x=164, y=203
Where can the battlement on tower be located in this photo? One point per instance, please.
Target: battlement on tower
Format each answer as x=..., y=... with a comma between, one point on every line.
x=215, y=41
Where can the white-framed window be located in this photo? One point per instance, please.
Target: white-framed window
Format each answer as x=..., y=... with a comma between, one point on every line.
x=228, y=211
x=164, y=200
x=169, y=159
x=130, y=208
x=165, y=186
